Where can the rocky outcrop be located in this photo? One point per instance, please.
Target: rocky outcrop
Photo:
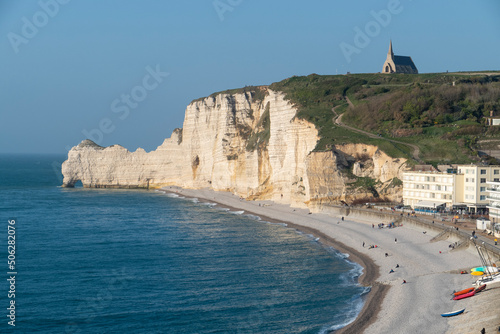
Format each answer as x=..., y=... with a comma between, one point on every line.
x=254, y=147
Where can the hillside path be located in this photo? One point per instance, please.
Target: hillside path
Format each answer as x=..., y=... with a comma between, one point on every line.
x=338, y=121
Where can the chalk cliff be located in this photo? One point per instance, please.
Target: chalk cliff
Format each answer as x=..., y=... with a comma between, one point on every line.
x=254, y=147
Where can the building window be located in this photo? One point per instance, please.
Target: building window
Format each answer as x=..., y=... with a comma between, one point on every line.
x=483, y=171
x=483, y=198
x=482, y=189
x=496, y=171
x=483, y=180
x=496, y=180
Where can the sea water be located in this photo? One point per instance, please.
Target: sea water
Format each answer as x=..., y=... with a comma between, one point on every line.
x=137, y=261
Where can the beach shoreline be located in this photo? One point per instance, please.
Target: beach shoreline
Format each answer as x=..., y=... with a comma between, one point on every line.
x=370, y=274
x=429, y=267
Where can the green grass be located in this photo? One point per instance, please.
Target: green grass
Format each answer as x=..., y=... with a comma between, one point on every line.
x=256, y=92
x=260, y=137
x=434, y=111
x=365, y=183
x=442, y=113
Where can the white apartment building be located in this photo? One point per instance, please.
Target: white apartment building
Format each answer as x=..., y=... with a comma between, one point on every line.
x=475, y=179
x=493, y=189
x=465, y=188
x=428, y=189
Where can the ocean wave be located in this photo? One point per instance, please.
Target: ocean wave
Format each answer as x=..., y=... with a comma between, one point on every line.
x=351, y=315
x=337, y=253
x=254, y=217
x=237, y=212
x=172, y=195
x=210, y=204
x=280, y=224
x=194, y=200
x=356, y=271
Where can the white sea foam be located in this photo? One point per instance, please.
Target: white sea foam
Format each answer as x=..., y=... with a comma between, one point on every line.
x=172, y=195
x=358, y=303
x=280, y=224
x=352, y=314
x=254, y=217
x=356, y=271
x=236, y=212
x=194, y=200
x=209, y=204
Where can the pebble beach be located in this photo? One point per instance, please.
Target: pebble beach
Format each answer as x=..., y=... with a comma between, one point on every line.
x=411, y=278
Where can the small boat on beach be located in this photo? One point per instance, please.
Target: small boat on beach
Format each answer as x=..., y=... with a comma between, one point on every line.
x=481, y=288
x=453, y=313
x=465, y=295
x=464, y=291
x=489, y=279
x=490, y=269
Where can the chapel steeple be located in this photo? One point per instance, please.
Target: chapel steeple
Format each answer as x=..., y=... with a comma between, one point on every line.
x=398, y=64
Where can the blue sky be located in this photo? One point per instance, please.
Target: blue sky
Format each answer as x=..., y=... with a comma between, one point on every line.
x=68, y=66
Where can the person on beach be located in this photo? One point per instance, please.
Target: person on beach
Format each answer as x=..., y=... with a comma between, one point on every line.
x=386, y=255
x=395, y=240
x=404, y=281
x=397, y=265
x=390, y=272
x=342, y=218
x=363, y=244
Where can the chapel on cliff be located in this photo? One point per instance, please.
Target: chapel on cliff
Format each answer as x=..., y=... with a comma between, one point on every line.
x=398, y=64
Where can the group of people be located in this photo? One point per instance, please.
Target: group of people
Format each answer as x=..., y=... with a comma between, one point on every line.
x=392, y=271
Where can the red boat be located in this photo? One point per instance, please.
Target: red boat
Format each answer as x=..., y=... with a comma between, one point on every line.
x=465, y=295
x=481, y=288
x=464, y=291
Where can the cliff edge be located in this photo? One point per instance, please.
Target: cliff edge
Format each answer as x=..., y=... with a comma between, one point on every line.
x=249, y=143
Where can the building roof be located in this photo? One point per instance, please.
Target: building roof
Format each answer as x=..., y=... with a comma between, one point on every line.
x=404, y=64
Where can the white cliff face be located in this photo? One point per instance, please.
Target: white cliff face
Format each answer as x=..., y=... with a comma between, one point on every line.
x=254, y=148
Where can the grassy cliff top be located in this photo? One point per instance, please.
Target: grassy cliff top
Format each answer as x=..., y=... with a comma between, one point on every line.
x=441, y=113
